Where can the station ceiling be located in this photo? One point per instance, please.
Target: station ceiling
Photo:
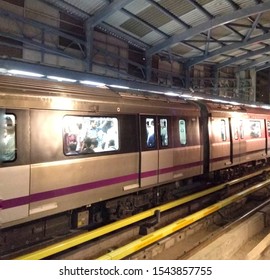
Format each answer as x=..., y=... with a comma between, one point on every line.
x=217, y=32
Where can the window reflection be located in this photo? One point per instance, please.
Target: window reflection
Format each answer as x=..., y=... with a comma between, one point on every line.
x=223, y=130
x=85, y=135
x=182, y=132
x=255, y=129
x=163, y=124
x=150, y=133
x=7, y=148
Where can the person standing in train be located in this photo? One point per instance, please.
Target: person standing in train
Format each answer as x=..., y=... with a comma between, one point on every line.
x=8, y=146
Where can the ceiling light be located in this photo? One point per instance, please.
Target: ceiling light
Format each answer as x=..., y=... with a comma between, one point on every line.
x=117, y=86
x=24, y=73
x=61, y=79
x=92, y=83
x=171, y=93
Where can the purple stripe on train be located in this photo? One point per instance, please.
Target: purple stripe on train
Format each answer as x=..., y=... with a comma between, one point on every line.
x=14, y=202
x=19, y=201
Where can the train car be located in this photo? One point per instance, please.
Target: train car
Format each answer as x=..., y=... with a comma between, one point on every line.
x=238, y=138
x=74, y=156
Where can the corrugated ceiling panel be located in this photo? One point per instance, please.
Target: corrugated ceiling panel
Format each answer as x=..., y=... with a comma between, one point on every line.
x=154, y=16
x=256, y=33
x=152, y=38
x=218, y=7
x=195, y=18
x=246, y=62
x=204, y=2
x=264, y=19
x=87, y=6
x=236, y=52
x=137, y=6
x=220, y=32
x=175, y=7
x=257, y=46
x=267, y=42
x=184, y=50
x=256, y=57
x=192, y=54
x=218, y=59
x=254, y=47
x=135, y=27
x=147, y=13
x=172, y=27
x=117, y=19
x=181, y=49
x=245, y=3
x=232, y=37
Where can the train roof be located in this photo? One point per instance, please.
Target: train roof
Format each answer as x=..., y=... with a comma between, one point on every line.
x=214, y=107
x=36, y=93
x=26, y=88
x=12, y=84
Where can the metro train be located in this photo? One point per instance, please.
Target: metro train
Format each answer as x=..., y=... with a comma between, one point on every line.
x=76, y=157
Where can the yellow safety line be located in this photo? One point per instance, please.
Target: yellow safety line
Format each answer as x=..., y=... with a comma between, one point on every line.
x=77, y=240
x=181, y=223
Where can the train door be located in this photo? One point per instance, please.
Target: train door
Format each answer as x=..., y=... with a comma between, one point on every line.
x=165, y=153
x=220, y=143
x=149, y=151
x=237, y=140
x=14, y=165
x=156, y=156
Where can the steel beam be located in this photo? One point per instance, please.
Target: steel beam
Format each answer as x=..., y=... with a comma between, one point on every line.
x=212, y=23
x=253, y=64
x=242, y=57
x=265, y=66
x=229, y=48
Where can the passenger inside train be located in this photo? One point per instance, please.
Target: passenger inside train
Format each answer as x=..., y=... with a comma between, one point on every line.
x=91, y=134
x=8, y=143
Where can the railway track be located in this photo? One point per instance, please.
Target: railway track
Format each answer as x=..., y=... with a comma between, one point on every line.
x=241, y=235
x=163, y=220
x=178, y=225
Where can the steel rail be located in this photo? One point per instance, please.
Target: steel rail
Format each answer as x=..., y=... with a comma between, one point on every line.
x=224, y=229
x=177, y=225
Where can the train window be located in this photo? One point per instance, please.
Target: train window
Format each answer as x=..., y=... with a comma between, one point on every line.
x=223, y=130
x=238, y=130
x=241, y=129
x=255, y=129
x=236, y=133
x=182, y=132
x=268, y=128
x=7, y=145
x=163, y=124
x=150, y=133
x=85, y=135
